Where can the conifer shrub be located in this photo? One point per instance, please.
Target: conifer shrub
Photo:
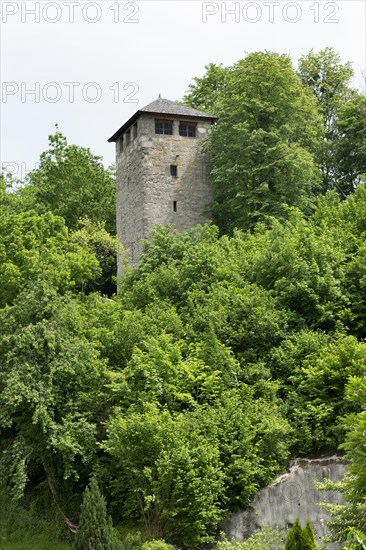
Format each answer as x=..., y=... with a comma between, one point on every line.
x=310, y=535
x=299, y=538
x=95, y=530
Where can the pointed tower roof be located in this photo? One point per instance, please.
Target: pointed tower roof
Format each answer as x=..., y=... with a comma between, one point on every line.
x=163, y=106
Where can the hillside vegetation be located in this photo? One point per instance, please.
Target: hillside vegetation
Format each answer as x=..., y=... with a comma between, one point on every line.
x=231, y=349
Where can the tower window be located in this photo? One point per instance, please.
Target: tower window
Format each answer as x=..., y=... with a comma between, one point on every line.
x=186, y=129
x=164, y=127
x=174, y=170
x=134, y=130
x=128, y=137
x=174, y=206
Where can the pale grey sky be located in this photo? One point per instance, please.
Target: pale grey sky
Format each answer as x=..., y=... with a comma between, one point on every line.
x=91, y=65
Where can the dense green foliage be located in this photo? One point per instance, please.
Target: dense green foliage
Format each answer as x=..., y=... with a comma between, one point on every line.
x=328, y=79
x=349, y=521
x=168, y=472
x=351, y=146
x=282, y=136
x=226, y=353
x=72, y=182
x=266, y=539
x=262, y=145
x=22, y=528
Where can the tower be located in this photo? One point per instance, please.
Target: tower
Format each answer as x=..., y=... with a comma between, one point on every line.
x=162, y=172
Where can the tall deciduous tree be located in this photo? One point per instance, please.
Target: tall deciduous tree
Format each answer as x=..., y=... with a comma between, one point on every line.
x=206, y=92
x=262, y=147
x=73, y=183
x=51, y=384
x=328, y=79
x=351, y=146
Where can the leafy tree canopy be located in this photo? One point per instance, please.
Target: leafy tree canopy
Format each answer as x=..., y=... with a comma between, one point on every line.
x=262, y=146
x=72, y=182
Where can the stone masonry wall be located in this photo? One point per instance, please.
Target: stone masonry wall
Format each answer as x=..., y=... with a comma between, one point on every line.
x=146, y=192
x=292, y=495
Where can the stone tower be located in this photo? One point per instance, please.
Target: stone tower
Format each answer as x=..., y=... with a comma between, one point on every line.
x=162, y=174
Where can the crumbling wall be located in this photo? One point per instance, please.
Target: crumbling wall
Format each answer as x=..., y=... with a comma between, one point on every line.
x=292, y=495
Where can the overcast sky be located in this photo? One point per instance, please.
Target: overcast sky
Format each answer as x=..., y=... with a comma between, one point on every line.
x=91, y=65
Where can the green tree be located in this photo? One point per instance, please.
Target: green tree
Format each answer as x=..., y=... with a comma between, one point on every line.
x=262, y=146
x=343, y=224
x=39, y=247
x=206, y=92
x=252, y=437
x=300, y=265
x=9, y=200
x=315, y=369
x=354, y=441
x=309, y=532
x=51, y=386
x=104, y=246
x=299, y=538
x=166, y=475
x=95, y=528
x=351, y=145
x=348, y=523
x=72, y=182
x=328, y=79
x=265, y=539
x=355, y=540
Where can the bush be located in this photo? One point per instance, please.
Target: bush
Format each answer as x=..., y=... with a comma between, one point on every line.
x=299, y=538
x=157, y=545
x=262, y=540
x=95, y=530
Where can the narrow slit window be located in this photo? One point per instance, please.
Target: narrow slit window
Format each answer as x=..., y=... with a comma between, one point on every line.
x=134, y=131
x=174, y=170
x=174, y=206
x=128, y=137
